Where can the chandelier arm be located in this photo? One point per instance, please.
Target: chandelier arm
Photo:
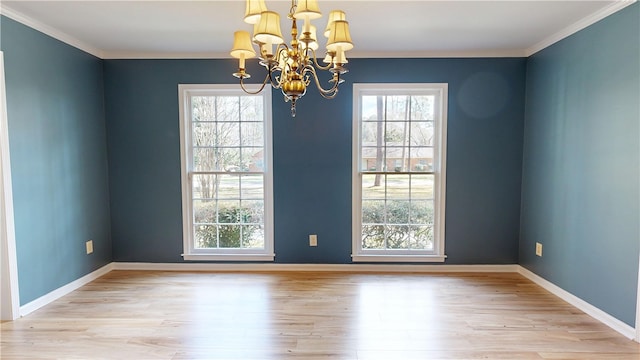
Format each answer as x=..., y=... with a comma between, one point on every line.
x=264, y=83
x=279, y=49
x=274, y=83
x=280, y=53
x=317, y=65
x=279, y=80
x=326, y=93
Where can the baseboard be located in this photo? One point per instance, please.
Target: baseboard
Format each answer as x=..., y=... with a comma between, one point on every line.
x=617, y=325
x=64, y=290
x=271, y=267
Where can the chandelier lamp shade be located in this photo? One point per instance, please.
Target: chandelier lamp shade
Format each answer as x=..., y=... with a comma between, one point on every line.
x=292, y=66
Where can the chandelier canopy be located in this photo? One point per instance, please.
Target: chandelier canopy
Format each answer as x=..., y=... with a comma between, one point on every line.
x=291, y=67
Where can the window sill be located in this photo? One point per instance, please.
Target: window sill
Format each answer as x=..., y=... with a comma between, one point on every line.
x=399, y=258
x=228, y=257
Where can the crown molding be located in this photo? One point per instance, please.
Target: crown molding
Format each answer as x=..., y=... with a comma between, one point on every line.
x=354, y=55
x=568, y=31
x=49, y=30
x=440, y=54
x=577, y=26
x=163, y=55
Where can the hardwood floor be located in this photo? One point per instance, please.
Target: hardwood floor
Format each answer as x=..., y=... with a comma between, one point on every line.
x=180, y=315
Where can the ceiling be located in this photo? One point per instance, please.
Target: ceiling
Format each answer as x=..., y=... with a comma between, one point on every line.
x=204, y=29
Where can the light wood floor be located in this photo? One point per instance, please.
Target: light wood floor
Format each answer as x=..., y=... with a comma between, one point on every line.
x=179, y=315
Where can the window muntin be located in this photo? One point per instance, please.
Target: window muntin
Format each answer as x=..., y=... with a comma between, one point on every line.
x=399, y=172
x=227, y=191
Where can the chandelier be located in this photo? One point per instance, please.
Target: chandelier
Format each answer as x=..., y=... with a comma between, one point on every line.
x=291, y=67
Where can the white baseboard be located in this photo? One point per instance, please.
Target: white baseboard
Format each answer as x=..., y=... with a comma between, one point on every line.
x=63, y=290
x=268, y=267
x=582, y=305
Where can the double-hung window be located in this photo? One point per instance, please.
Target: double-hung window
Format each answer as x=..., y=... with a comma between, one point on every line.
x=226, y=173
x=399, y=172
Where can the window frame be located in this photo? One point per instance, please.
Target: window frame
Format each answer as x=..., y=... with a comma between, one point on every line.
x=439, y=172
x=190, y=253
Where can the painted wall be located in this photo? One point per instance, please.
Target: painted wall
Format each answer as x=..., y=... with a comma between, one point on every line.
x=57, y=136
x=580, y=191
x=312, y=157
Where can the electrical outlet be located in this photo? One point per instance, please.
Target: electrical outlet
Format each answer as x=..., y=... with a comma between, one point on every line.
x=538, y=249
x=313, y=240
x=89, y=245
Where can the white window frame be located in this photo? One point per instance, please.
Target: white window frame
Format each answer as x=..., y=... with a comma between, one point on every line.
x=185, y=92
x=439, y=171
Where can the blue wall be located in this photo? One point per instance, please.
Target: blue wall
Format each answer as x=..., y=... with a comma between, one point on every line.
x=580, y=192
x=55, y=106
x=312, y=157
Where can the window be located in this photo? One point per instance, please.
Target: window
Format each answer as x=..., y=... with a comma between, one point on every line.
x=226, y=173
x=399, y=172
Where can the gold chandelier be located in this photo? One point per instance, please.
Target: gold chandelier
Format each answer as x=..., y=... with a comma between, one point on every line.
x=292, y=67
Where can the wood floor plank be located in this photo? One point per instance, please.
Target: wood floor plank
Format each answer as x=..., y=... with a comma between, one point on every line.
x=200, y=315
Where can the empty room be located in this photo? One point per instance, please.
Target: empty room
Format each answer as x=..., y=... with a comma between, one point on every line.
x=307, y=179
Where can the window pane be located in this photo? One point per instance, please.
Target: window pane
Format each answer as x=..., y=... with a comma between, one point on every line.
x=228, y=186
x=227, y=134
x=228, y=159
x=421, y=237
x=369, y=108
x=422, y=107
x=397, y=236
x=372, y=236
x=255, y=210
x=251, y=108
x=395, y=133
x=422, y=155
x=204, y=186
x=422, y=186
x=203, y=108
x=252, y=187
x=373, y=186
x=229, y=236
x=229, y=212
x=370, y=132
x=373, y=212
x=252, y=159
x=422, y=133
x=421, y=212
x=227, y=108
x=373, y=159
x=397, y=107
x=205, y=211
x=252, y=134
x=397, y=186
x=206, y=236
x=203, y=133
x=397, y=211
x=252, y=236
x=204, y=159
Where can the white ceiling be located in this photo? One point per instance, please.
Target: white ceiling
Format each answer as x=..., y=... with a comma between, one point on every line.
x=204, y=29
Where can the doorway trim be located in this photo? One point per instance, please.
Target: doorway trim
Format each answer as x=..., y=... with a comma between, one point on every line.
x=10, y=298
x=638, y=305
